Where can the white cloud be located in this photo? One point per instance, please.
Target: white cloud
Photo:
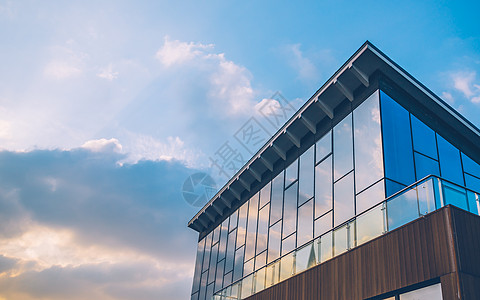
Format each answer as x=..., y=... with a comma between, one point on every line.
x=464, y=82
x=304, y=66
x=177, y=52
x=108, y=73
x=61, y=70
x=448, y=97
x=103, y=145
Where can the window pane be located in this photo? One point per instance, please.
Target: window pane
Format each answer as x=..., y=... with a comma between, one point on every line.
x=252, y=227
x=238, y=268
x=450, y=165
x=198, y=265
x=393, y=187
x=291, y=173
x=343, y=147
x=259, y=280
x=288, y=244
x=326, y=247
x=262, y=235
x=306, y=176
x=343, y=204
x=203, y=285
x=209, y=291
x=223, y=240
x=273, y=274
x=206, y=256
x=213, y=265
x=265, y=194
x=305, y=223
x=472, y=182
x=323, y=187
x=368, y=143
x=227, y=279
x=402, y=209
x=324, y=146
x=454, y=195
x=290, y=210
x=423, y=138
x=274, y=240
x=248, y=267
x=261, y=260
x=370, y=197
x=426, y=197
x=323, y=224
x=397, y=141
x=232, y=236
x=470, y=166
x=219, y=278
x=277, y=199
x=233, y=221
x=247, y=286
x=216, y=235
x=425, y=166
x=429, y=292
x=370, y=225
x=473, y=203
x=242, y=224
x=287, y=266
x=305, y=258
x=340, y=240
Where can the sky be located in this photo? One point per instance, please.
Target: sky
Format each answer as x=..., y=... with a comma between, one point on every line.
x=107, y=108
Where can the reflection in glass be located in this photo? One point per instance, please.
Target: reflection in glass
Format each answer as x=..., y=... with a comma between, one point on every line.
x=423, y=138
x=450, y=165
x=429, y=292
x=276, y=203
x=252, y=227
x=232, y=236
x=340, y=240
x=233, y=221
x=397, y=141
x=426, y=197
x=209, y=294
x=393, y=187
x=305, y=176
x=198, y=265
x=242, y=224
x=472, y=182
x=238, y=268
x=288, y=244
x=290, y=210
x=323, y=147
x=248, y=267
x=247, y=286
x=343, y=147
x=370, y=224
x=323, y=187
x=368, y=143
x=213, y=265
x=227, y=279
x=291, y=173
x=203, y=285
x=325, y=246
x=261, y=260
x=262, y=235
x=454, y=195
x=265, y=194
x=206, y=256
x=287, y=266
x=216, y=235
x=219, y=278
x=274, y=241
x=305, y=223
x=273, y=274
x=402, y=209
x=343, y=203
x=370, y=197
x=473, y=202
x=470, y=166
x=305, y=258
x=323, y=224
x=425, y=166
x=222, y=249
x=259, y=283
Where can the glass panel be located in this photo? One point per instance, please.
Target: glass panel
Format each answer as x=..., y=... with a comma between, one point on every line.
x=450, y=165
x=235, y=291
x=227, y=279
x=233, y=221
x=326, y=247
x=305, y=258
x=454, y=195
x=242, y=224
x=323, y=187
x=262, y=235
x=194, y=297
x=223, y=240
x=402, y=209
x=213, y=265
x=291, y=173
x=273, y=274
x=209, y=294
x=203, y=285
x=306, y=176
x=397, y=141
x=393, y=187
x=343, y=204
x=368, y=143
x=340, y=240
x=265, y=194
x=248, y=267
x=426, y=197
x=247, y=286
x=370, y=197
x=287, y=266
x=274, y=240
x=425, y=166
x=323, y=224
x=219, y=279
x=277, y=199
x=206, y=256
x=470, y=166
x=423, y=138
x=429, y=292
x=252, y=227
x=261, y=260
x=259, y=280
x=343, y=147
x=232, y=236
x=238, y=269
x=216, y=235
x=198, y=266
x=290, y=210
x=288, y=244
x=473, y=203
x=370, y=224
x=324, y=146
x=305, y=223
x=472, y=182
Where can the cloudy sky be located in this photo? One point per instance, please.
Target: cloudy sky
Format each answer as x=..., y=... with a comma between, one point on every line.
x=107, y=107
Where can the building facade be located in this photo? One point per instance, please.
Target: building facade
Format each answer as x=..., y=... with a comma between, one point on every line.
x=371, y=153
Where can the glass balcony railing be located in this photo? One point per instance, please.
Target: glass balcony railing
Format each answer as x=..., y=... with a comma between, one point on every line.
x=416, y=200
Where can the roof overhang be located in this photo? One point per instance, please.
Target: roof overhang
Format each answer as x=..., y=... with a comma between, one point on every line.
x=345, y=85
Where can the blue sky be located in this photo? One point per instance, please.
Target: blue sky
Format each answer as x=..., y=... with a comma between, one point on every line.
x=106, y=107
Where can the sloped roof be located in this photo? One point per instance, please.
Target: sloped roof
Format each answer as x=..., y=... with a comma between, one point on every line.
x=348, y=82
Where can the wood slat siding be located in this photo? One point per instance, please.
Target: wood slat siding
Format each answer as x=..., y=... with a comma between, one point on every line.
x=425, y=249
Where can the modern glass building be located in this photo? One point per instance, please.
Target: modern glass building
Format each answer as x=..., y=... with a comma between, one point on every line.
x=351, y=199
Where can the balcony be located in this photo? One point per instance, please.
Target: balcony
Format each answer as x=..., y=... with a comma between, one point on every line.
x=412, y=202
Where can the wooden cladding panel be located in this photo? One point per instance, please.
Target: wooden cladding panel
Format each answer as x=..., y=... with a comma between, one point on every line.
x=419, y=251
